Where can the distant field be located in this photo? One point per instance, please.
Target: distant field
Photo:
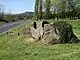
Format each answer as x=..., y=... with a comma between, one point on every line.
x=13, y=47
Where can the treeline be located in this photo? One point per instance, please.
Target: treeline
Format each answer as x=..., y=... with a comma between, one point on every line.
x=8, y=17
x=60, y=9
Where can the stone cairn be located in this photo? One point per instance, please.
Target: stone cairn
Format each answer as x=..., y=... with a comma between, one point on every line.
x=51, y=33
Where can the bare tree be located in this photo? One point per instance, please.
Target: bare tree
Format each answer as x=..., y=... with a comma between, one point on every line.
x=40, y=10
x=36, y=8
x=2, y=9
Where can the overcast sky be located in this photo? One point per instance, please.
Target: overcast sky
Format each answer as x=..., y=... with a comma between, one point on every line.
x=18, y=6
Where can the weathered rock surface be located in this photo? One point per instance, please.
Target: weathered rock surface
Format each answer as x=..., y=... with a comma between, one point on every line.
x=35, y=33
x=38, y=32
x=51, y=34
x=61, y=31
x=27, y=32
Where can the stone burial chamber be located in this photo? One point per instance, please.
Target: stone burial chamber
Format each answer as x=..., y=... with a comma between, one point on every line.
x=51, y=32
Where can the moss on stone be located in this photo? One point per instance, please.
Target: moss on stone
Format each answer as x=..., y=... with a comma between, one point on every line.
x=65, y=32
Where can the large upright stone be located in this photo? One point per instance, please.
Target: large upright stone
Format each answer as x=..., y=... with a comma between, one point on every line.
x=61, y=32
x=34, y=33
x=38, y=32
x=51, y=34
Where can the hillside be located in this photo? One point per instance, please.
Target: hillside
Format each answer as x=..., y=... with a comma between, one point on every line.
x=25, y=14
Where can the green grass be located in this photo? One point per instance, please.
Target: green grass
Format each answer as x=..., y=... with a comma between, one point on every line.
x=1, y=22
x=13, y=47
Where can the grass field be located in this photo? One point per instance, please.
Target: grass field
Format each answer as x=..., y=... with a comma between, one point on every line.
x=13, y=47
